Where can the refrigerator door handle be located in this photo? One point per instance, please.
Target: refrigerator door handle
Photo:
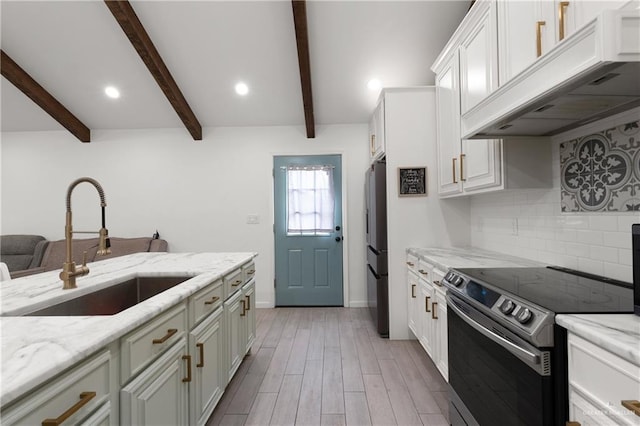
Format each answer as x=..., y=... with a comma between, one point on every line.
x=373, y=272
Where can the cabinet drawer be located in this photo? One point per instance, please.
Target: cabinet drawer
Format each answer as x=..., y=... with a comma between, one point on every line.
x=232, y=282
x=54, y=398
x=248, y=271
x=412, y=262
x=205, y=302
x=425, y=270
x=437, y=276
x=142, y=345
x=603, y=379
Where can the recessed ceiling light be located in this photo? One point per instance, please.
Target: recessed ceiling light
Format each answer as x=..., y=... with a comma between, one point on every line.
x=112, y=92
x=242, y=89
x=374, y=84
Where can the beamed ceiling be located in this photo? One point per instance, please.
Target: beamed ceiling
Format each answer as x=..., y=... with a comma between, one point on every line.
x=176, y=63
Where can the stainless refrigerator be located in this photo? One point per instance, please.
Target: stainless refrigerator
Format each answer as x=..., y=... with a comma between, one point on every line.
x=376, y=227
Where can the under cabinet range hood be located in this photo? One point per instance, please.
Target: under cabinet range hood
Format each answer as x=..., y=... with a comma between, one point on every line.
x=590, y=75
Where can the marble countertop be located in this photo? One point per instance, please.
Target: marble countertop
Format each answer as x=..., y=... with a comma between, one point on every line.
x=619, y=334
x=35, y=349
x=468, y=257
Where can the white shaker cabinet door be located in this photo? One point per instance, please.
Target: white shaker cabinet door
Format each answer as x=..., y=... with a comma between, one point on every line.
x=159, y=395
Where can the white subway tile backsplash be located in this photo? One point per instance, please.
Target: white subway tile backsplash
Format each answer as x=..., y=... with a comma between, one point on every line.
x=605, y=254
x=617, y=239
x=595, y=242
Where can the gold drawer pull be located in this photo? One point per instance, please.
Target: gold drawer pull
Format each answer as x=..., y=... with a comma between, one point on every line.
x=434, y=312
x=426, y=304
x=248, y=302
x=453, y=169
x=213, y=300
x=562, y=13
x=570, y=423
x=413, y=291
x=438, y=283
x=633, y=405
x=236, y=283
x=200, y=346
x=170, y=332
x=243, y=313
x=251, y=272
x=85, y=397
x=539, y=26
x=423, y=272
x=410, y=264
x=188, y=359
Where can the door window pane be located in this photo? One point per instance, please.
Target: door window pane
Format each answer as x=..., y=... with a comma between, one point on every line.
x=310, y=202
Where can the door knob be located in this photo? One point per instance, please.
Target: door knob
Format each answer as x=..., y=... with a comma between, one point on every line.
x=338, y=228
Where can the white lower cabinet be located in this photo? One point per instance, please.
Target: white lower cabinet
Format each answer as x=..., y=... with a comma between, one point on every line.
x=206, y=344
x=600, y=382
x=249, y=317
x=84, y=392
x=159, y=395
x=427, y=311
x=233, y=309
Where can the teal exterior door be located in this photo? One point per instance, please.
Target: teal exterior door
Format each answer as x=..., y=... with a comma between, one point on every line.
x=308, y=230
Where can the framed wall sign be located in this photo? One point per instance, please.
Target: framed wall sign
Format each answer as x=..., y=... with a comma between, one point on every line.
x=412, y=181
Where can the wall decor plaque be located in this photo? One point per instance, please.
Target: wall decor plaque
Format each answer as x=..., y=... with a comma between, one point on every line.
x=412, y=181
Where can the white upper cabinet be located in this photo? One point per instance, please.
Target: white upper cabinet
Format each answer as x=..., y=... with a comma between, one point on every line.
x=479, y=58
x=531, y=28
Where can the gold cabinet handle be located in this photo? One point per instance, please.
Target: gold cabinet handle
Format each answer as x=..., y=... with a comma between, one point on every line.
x=438, y=283
x=251, y=272
x=632, y=405
x=453, y=169
x=413, y=291
x=248, y=302
x=462, y=178
x=426, y=304
x=213, y=300
x=434, y=310
x=85, y=397
x=411, y=264
x=562, y=15
x=170, y=332
x=539, y=26
x=373, y=144
x=200, y=347
x=423, y=272
x=236, y=283
x=570, y=423
x=188, y=359
x=243, y=308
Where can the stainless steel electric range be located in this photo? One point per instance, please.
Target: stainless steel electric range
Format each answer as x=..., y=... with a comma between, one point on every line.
x=507, y=357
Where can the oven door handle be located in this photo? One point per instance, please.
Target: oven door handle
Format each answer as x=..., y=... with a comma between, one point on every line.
x=522, y=353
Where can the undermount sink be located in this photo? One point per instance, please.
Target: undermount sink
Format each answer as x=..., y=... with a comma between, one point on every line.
x=113, y=299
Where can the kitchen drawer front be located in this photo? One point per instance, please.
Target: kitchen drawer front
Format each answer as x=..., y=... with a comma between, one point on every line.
x=437, y=276
x=138, y=348
x=412, y=263
x=205, y=302
x=59, y=395
x=232, y=282
x=425, y=270
x=248, y=271
x=603, y=379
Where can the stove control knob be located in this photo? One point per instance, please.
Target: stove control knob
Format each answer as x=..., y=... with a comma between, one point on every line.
x=507, y=306
x=458, y=281
x=524, y=316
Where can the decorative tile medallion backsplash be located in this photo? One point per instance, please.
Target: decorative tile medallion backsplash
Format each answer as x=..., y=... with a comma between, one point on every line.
x=601, y=172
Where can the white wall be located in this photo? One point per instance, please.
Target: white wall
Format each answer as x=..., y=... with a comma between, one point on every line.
x=196, y=194
x=410, y=135
x=530, y=223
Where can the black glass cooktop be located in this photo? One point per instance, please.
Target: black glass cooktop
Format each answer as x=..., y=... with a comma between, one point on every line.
x=557, y=289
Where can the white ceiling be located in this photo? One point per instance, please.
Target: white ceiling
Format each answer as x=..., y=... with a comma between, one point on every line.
x=76, y=48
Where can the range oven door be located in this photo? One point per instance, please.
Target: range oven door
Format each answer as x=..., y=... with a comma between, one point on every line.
x=495, y=377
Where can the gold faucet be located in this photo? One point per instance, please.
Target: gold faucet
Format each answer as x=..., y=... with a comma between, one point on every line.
x=69, y=269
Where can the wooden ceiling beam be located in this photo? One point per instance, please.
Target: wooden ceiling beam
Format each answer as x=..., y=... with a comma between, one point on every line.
x=132, y=27
x=302, y=41
x=38, y=94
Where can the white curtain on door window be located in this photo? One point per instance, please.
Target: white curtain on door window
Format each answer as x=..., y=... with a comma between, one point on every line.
x=310, y=203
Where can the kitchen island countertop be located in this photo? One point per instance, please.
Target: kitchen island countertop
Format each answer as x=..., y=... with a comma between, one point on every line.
x=35, y=349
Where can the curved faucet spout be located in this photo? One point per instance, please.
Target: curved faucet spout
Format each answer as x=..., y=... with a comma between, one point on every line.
x=69, y=269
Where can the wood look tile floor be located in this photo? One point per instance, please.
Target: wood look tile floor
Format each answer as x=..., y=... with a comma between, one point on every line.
x=328, y=366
